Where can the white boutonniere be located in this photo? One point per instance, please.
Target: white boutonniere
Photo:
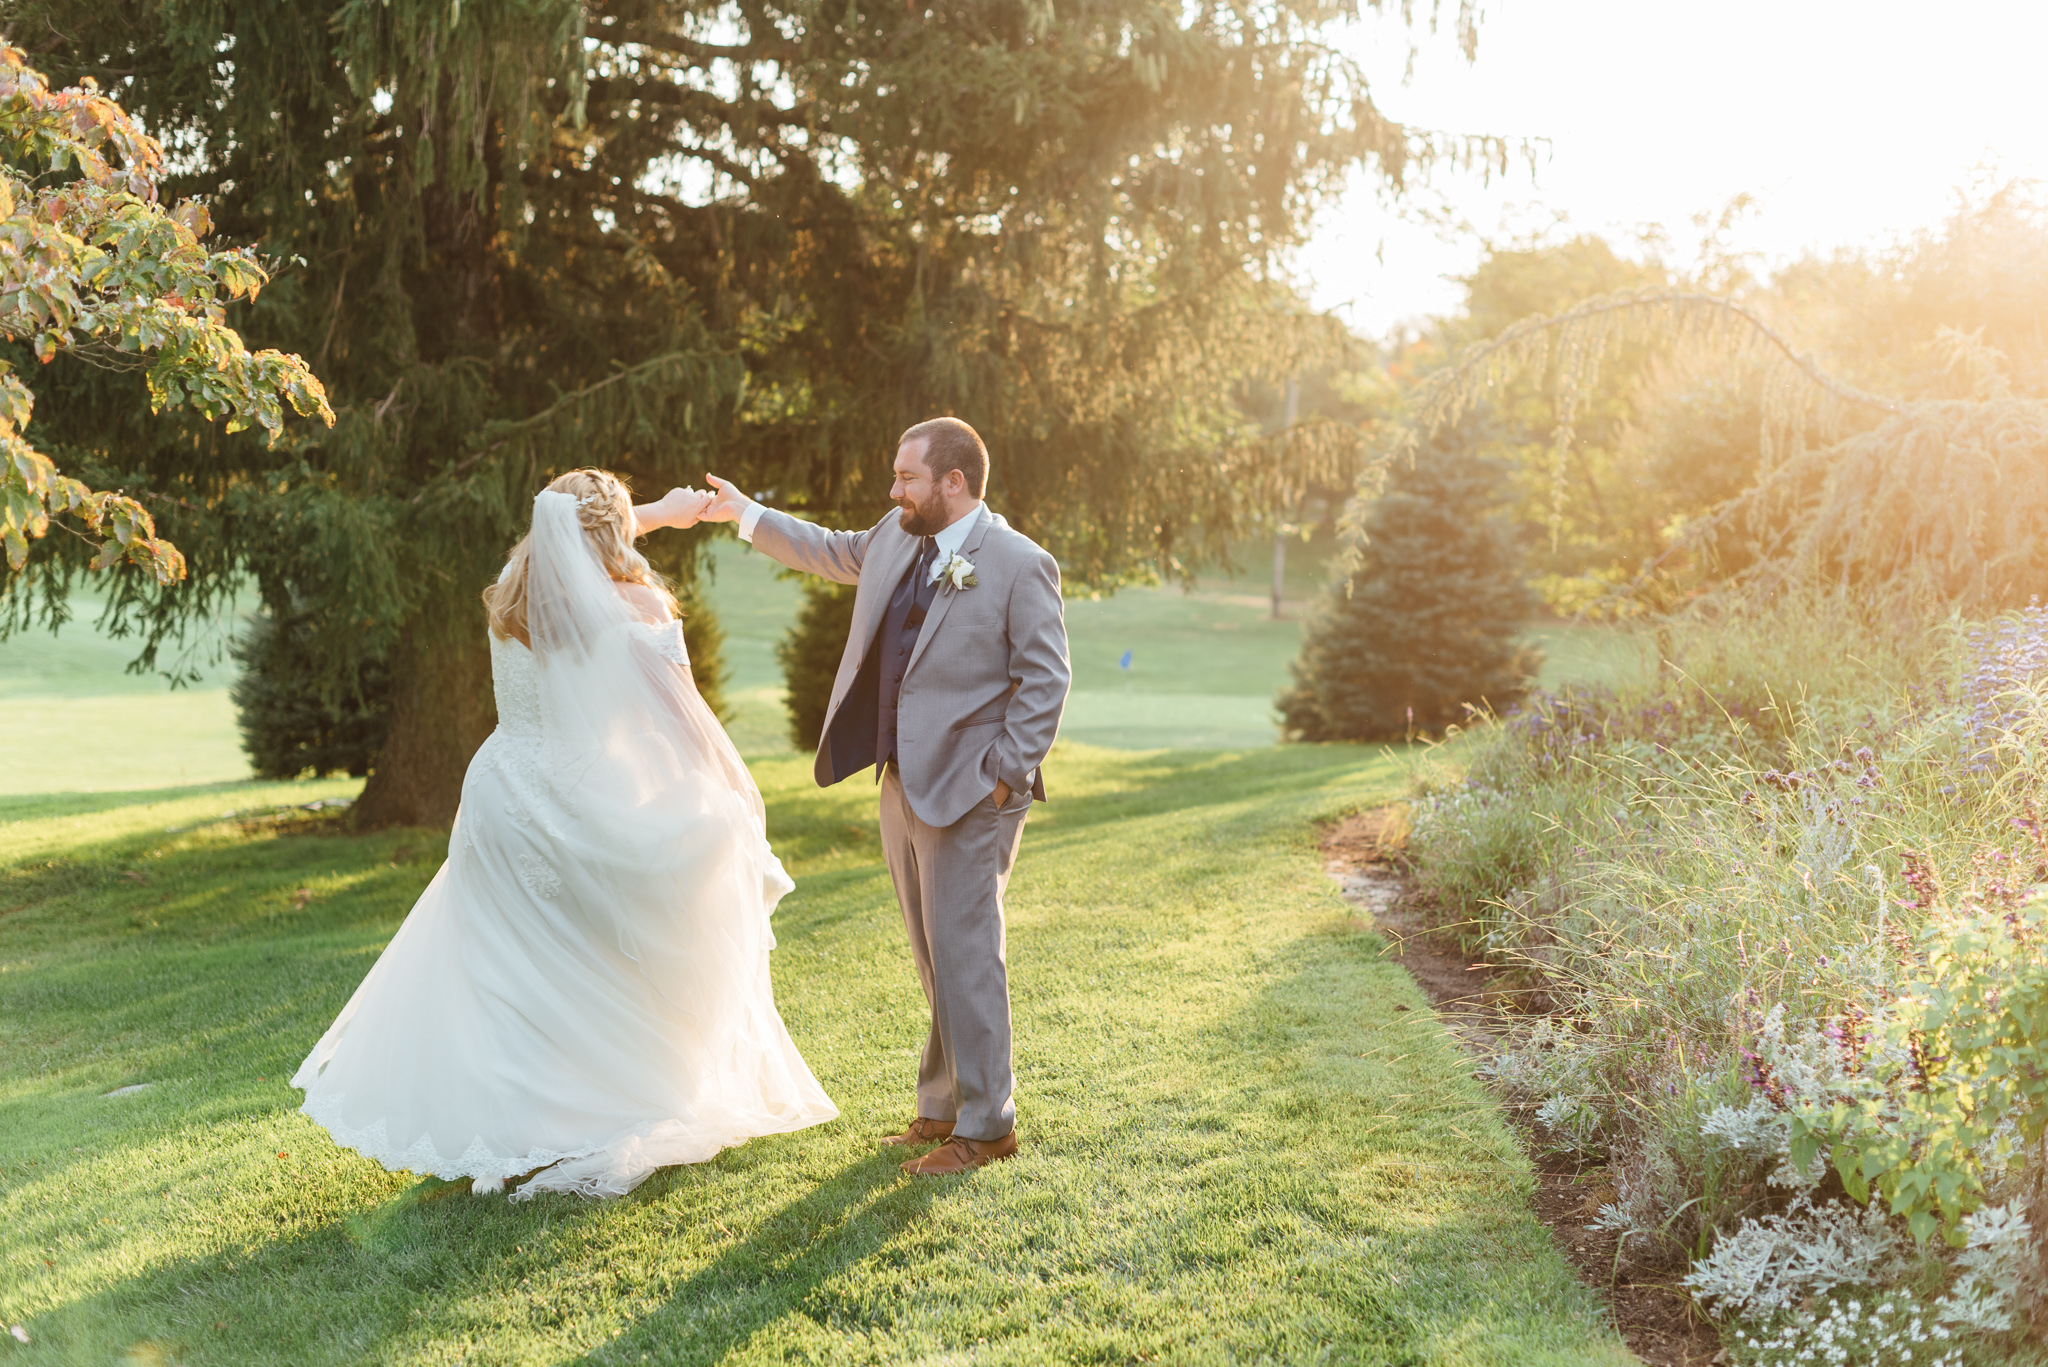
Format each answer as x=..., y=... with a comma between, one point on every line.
x=956, y=571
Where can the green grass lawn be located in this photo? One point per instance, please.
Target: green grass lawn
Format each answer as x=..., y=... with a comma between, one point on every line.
x=1236, y=1148
x=1203, y=672
x=78, y=722
x=1592, y=653
x=1204, y=666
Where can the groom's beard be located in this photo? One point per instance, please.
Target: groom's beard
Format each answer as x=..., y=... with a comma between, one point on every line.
x=923, y=519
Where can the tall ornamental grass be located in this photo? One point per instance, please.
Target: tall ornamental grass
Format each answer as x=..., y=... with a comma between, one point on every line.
x=1779, y=898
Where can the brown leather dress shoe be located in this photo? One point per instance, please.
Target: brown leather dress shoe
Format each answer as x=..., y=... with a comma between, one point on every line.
x=921, y=1131
x=958, y=1155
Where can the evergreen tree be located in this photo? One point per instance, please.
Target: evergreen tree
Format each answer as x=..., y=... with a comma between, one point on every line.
x=291, y=722
x=810, y=654
x=704, y=639
x=760, y=237
x=1422, y=619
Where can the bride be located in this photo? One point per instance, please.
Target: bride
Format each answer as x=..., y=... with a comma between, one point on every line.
x=581, y=995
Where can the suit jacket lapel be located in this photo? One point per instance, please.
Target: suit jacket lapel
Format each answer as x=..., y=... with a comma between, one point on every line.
x=870, y=604
x=983, y=520
x=871, y=599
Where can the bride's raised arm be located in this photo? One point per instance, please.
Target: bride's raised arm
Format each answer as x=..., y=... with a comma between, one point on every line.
x=679, y=508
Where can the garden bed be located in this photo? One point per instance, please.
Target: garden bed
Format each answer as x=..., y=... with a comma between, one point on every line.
x=1364, y=853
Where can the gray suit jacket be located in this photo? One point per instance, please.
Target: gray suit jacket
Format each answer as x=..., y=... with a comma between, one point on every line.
x=982, y=695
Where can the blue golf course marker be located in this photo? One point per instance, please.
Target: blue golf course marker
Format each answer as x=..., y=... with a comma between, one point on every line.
x=1125, y=663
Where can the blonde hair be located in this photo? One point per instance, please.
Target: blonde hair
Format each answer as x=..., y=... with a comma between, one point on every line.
x=607, y=517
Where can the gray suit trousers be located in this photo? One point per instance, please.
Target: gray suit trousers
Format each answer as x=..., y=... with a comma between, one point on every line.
x=950, y=880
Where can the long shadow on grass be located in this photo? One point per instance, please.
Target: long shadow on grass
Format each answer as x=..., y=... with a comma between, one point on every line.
x=1161, y=780
x=780, y=1267
x=37, y=806
x=810, y=825
x=437, y=1247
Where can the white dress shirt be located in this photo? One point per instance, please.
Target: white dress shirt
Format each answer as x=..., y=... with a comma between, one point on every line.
x=953, y=537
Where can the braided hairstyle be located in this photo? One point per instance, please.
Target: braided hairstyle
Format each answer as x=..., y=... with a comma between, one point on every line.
x=605, y=508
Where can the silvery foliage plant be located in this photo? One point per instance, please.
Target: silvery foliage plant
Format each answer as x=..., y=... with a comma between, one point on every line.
x=1553, y=1066
x=1992, y=1265
x=1803, y=1067
x=1806, y=1279
x=1770, y=1265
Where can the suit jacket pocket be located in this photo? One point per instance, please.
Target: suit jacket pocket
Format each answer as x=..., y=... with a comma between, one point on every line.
x=980, y=617
x=989, y=717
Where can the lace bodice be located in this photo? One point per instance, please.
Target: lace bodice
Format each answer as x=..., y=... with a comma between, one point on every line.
x=668, y=639
x=517, y=688
x=514, y=680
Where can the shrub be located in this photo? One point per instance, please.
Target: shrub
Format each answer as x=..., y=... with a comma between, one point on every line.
x=810, y=656
x=1420, y=625
x=295, y=717
x=704, y=637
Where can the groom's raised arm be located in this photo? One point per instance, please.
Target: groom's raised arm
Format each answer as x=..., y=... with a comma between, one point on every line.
x=1039, y=667
x=798, y=544
x=805, y=546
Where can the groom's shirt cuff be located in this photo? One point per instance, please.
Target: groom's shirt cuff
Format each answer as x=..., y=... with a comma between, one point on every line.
x=749, y=520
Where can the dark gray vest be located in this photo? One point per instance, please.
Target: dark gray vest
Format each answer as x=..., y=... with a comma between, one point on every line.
x=864, y=730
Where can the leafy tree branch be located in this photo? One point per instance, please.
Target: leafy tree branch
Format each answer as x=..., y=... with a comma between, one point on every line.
x=91, y=264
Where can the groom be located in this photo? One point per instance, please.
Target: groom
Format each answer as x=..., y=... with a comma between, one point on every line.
x=951, y=686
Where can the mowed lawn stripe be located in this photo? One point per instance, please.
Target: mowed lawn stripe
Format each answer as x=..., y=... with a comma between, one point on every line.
x=1235, y=1149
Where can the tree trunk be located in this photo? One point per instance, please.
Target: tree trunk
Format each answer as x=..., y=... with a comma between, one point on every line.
x=441, y=703
x=441, y=710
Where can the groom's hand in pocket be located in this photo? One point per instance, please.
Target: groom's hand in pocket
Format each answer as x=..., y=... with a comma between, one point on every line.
x=1001, y=794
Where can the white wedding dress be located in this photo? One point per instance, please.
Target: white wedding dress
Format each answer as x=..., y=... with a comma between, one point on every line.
x=583, y=988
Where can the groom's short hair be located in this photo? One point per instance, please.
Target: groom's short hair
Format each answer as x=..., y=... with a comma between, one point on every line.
x=950, y=444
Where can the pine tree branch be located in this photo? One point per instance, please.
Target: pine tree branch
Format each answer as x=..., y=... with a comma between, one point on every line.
x=507, y=432
x=1696, y=532
x=707, y=109
x=697, y=52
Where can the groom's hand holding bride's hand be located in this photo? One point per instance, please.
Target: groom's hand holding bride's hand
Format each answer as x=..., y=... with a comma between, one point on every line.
x=680, y=508
x=727, y=502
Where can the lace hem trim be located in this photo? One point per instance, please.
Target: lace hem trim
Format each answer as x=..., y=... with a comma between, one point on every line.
x=374, y=1143
x=612, y=1168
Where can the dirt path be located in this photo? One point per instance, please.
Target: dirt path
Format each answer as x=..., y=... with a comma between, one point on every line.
x=1364, y=854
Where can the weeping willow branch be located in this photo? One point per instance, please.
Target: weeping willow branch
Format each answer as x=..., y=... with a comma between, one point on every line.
x=1585, y=333
x=1573, y=345
x=1939, y=496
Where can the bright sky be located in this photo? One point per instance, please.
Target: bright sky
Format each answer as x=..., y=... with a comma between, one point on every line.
x=1851, y=123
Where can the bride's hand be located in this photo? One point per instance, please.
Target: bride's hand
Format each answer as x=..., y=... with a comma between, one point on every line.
x=686, y=506
x=676, y=508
